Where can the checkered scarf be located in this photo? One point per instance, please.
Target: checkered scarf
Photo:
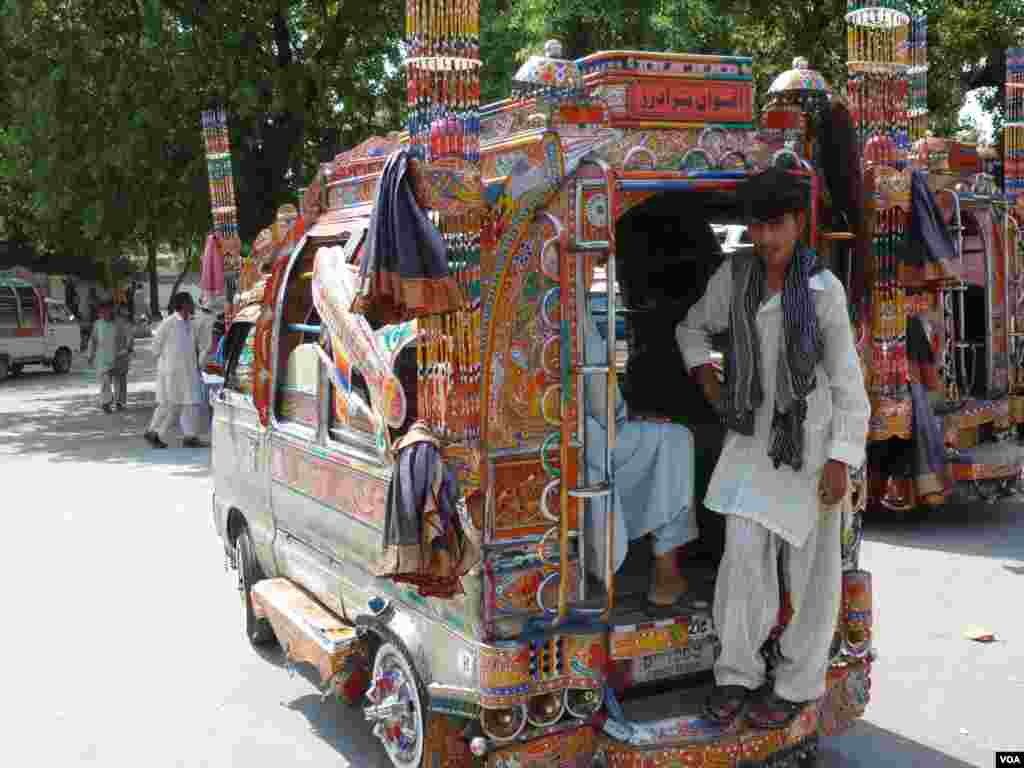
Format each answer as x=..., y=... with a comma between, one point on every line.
x=800, y=351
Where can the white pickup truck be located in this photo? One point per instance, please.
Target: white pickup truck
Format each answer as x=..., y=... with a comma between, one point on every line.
x=33, y=330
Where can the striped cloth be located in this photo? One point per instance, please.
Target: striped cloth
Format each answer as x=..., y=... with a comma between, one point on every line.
x=800, y=352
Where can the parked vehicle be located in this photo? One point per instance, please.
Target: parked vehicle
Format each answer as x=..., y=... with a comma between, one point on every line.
x=535, y=661
x=29, y=334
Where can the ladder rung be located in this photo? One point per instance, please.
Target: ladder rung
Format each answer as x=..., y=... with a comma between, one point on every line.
x=591, y=370
x=591, y=491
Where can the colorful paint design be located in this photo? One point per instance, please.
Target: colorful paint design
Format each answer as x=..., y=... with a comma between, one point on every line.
x=330, y=479
x=334, y=289
x=511, y=673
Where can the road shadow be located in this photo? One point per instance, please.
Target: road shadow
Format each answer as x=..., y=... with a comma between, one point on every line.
x=340, y=726
x=58, y=417
x=866, y=745
x=978, y=529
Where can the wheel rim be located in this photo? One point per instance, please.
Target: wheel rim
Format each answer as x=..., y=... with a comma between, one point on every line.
x=395, y=708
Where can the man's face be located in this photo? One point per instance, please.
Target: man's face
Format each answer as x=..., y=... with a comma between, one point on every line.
x=187, y=310
x=776, y=239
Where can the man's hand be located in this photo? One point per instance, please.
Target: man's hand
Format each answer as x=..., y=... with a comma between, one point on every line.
x=834, y=479
x=707, y=377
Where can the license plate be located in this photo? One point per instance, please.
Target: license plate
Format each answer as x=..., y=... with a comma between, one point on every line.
x=682, y=661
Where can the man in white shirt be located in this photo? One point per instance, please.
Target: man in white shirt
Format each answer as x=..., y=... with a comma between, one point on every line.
x=797, y=413
x=179, y=385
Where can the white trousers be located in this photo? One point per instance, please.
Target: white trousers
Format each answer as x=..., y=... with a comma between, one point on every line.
x=747, y=598
x=107, y=387
x=113, y=387
x=167, y=413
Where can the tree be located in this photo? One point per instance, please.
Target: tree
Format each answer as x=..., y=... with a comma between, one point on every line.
x=100, y=106
x=967, y=38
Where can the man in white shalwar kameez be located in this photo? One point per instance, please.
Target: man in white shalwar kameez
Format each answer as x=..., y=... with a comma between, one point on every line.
x=180, y=391
x=653, y=488
x=797, y=413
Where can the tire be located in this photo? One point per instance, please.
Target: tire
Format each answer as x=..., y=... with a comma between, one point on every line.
x=392, y=663
x=258, y=631
x=62, y=360
x=16, y=369
x=5, y=368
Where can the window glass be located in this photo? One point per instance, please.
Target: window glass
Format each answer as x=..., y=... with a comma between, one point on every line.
x=29, y=307
x=8, y=307
x=350, y=407
x=240, y=355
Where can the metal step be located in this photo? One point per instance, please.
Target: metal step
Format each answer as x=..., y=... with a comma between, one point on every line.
x=306, y=630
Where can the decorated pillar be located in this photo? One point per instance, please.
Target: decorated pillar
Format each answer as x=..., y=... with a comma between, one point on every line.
x=882, y=44
x=222, y=255
x=443, y=85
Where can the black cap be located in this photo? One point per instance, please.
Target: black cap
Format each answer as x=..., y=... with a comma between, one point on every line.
x=772, y=193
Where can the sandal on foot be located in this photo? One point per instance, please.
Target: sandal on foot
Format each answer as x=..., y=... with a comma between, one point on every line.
x=772, y=711
x=726, y=703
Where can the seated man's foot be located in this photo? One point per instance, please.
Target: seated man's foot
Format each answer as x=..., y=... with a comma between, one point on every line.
x=726, y=703
x=193, y=442
x=107, y=407
x=769, y=710
x=667, y=583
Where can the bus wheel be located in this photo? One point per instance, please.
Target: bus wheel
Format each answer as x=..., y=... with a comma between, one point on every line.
x=257, y=630
x=62, y=360
x=396, y=706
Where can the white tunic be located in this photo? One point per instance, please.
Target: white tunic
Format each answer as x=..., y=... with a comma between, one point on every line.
x=176, y=345
x=653, y=465
x=746, y=482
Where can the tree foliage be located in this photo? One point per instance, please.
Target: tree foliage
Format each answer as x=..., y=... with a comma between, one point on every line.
x=100, y=142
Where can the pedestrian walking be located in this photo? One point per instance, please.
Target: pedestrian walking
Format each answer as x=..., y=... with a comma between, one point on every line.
x=107, y=344
x=123, y=362
x=797, y=412
x=180, y=392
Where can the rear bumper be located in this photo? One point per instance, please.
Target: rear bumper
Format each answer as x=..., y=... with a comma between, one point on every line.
x=692, y=741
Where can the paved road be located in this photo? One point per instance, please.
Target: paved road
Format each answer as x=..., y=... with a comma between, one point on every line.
x=123, y=648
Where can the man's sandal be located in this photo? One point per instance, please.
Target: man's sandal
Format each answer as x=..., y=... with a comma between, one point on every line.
x=772, y=711
x=726, y=703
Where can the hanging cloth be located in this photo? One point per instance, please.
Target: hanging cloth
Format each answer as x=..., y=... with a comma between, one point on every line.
x=404, y=271
x=424, y=541
x=929, y=453
x=211, y=281
x=930, y=240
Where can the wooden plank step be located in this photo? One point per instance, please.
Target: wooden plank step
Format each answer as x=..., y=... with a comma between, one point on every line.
x=307, y=631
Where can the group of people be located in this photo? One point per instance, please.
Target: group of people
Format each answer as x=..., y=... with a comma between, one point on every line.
x=181, y=346
x=797, y=413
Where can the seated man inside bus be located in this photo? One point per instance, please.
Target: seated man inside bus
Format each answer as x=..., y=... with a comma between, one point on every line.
x=653, y=491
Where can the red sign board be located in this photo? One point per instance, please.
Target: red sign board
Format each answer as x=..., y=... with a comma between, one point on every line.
x=696, y=100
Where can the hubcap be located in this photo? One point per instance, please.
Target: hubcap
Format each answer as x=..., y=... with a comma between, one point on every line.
x=394, y=708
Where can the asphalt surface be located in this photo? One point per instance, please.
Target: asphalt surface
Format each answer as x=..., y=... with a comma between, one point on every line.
x=122, y=632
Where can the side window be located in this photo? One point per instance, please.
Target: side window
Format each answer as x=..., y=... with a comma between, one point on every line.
x=350, y=409
x=29, y=308
x=239, y=355
x=8, y=307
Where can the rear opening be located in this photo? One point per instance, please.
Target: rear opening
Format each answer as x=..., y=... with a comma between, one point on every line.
x=667, y=252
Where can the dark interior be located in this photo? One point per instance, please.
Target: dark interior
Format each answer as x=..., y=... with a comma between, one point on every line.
x=666, y=254
x=975, y=313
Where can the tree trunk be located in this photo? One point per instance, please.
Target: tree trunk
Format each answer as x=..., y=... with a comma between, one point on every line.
x=154, y=281
x=184, y=270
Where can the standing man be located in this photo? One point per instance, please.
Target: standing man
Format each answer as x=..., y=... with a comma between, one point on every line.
x=179, y=385
x=797, y=413
x=104, y=345
x=125, y=351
